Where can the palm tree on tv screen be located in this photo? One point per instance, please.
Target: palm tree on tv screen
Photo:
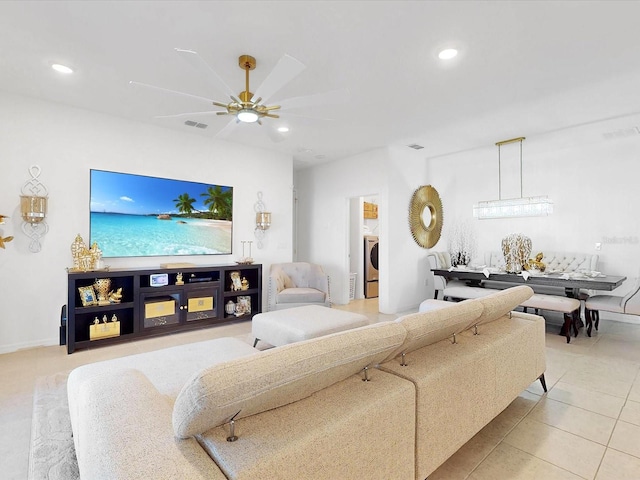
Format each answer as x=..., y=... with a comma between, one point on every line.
x=184, y=203
x=219, y=202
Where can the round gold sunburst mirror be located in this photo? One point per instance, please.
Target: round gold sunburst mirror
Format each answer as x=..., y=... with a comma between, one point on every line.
x=425, y=216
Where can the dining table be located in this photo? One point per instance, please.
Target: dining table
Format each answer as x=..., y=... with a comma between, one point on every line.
x=572, y=282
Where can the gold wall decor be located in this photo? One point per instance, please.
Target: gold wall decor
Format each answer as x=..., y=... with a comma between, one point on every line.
x=3, y=239
x=425, y=216
x=33, y=208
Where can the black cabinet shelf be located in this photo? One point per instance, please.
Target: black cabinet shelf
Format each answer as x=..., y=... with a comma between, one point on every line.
x=196, y=301
x=103, y=308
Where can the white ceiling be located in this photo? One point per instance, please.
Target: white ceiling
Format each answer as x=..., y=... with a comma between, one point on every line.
x=525, y=67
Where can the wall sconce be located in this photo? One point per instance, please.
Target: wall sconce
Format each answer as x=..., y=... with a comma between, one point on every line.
x=263, y=220
x=33, y=208
x=512, y=207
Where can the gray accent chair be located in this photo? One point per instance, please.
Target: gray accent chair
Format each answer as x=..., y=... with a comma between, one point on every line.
x=296, y=284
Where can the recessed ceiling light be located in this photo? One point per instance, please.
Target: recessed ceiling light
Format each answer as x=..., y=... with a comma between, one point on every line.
x=283, y=129
x=61, y=68
x=447, y=54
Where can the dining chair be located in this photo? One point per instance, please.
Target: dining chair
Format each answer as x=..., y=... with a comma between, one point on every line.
x=629, y=304
x=441, y=260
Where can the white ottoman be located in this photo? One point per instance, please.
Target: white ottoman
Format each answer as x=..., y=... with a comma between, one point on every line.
x=281, y=327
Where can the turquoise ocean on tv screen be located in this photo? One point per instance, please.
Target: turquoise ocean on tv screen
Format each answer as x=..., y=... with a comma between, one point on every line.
x=123, y=235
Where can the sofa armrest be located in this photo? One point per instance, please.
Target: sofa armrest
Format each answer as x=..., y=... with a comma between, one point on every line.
x=122, y=429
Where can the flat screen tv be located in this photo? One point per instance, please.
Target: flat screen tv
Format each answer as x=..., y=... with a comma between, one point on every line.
x=140, y=216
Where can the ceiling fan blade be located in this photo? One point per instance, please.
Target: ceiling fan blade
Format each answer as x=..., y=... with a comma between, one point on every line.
x=227, y=130
x=285, y=70
x=178, y=115
x=307, y=117
x=198, y=62
x=208, y=101
x=334, y=97
x=275, y=135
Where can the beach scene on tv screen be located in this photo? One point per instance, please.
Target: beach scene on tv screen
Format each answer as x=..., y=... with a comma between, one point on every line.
x=136, y=216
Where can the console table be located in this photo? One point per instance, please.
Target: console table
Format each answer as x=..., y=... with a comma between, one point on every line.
x=159, y=301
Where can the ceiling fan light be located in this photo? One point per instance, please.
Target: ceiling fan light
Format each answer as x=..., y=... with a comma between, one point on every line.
x=247, y=115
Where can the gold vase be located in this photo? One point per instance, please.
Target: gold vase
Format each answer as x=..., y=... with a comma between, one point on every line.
x=102, y=286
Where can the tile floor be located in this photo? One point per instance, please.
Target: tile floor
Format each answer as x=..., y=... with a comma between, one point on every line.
x=587, y=426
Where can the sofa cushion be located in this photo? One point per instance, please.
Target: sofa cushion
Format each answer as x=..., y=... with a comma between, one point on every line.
x=279, y=376
x=300, y=295
x=123, y=431
x=425, y=328
x=502, y=302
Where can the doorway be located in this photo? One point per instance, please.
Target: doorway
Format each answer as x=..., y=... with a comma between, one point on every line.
x=363, y=226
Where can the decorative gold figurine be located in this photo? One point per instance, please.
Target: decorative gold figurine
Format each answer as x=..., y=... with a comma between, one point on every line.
x=236, y=282
x=179, y=280
x=537, y=263
x=85, y=259
x=244, y=284
x=115, y=296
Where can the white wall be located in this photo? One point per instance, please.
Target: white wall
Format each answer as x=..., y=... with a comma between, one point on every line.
x=590, y=174
x=324, y=192
x=66, y=143
x=591, y=178
x=593, y=185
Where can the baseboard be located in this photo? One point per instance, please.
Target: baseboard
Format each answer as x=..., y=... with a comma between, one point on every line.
x=45, y=342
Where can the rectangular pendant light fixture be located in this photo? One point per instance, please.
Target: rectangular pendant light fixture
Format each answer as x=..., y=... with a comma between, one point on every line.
x=512, y=207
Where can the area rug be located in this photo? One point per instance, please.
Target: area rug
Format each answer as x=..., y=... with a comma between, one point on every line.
x=52, y=454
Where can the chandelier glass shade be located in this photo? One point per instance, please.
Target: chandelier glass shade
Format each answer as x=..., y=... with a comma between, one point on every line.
x=514, y=207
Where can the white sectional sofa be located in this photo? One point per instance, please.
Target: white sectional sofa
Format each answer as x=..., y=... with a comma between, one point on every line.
x=390, y=400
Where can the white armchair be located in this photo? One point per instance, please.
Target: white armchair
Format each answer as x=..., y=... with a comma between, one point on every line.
x=297, y=284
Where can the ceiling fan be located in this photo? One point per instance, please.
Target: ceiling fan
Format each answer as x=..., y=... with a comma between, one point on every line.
x=249, y=107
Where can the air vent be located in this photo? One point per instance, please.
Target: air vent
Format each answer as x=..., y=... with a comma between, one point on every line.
x=415, y=146
x=191, y=123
